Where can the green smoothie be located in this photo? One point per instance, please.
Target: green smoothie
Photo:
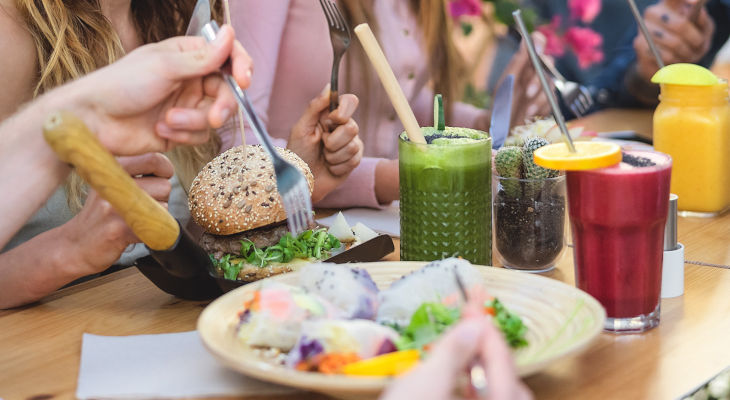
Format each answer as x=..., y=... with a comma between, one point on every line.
x=445, y=196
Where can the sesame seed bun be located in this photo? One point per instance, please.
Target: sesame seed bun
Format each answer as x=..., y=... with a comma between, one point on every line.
x=236, y=191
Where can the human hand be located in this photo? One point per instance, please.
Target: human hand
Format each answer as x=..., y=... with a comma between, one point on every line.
x=102, y=232
x=437, y=378
x=677, y=37
x=528, y=98
x=328, y=141
x=162, y=94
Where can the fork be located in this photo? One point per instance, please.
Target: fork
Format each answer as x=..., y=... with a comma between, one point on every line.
x=340, y=38
x=577, y=97
x=290, y=182
x=477, y=374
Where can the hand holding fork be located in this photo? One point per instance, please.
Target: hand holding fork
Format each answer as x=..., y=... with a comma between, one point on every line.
x=575, y=96
x=340, y=37
x=290, y=181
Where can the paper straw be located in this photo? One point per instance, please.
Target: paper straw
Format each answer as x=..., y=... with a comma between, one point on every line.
x=387, y=78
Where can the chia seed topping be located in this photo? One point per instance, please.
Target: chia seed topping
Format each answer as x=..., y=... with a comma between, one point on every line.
x=637, y=161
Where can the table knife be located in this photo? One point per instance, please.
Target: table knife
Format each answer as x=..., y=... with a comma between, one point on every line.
x=501, y=112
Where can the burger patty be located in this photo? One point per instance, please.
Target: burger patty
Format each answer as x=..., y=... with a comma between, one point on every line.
x=261, y=237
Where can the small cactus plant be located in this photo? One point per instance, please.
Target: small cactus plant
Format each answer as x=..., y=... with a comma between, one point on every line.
x=508, y=163
x=517, y=162
x=532, y=170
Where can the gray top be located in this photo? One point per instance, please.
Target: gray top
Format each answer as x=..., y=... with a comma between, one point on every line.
x=56, y=213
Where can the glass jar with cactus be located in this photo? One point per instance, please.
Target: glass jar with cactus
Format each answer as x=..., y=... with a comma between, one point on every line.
x=528, y=209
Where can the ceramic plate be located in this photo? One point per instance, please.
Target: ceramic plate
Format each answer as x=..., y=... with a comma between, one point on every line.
x=560, y=320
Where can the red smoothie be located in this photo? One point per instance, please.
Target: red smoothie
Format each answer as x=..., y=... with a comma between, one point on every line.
x=618, y=215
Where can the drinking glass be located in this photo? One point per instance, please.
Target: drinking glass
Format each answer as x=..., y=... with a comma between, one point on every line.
x=617, y=216
x=529, y=222
x=445, y=200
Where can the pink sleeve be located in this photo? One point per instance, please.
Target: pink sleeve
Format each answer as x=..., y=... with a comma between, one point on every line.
x=254, y=20
x=357, y=191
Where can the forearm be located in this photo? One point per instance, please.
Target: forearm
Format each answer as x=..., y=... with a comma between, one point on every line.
x=359, y=189
x=36, y=268
x=30, y=169
x=387, y=181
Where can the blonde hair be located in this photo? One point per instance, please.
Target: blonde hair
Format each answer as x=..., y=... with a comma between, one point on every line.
x=73, y=38
x=445, y=65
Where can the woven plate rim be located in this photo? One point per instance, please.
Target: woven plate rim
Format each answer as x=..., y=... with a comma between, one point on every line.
x=214, y=331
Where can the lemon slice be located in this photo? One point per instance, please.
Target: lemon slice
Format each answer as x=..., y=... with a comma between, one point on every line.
x=386, y=365
x=685, y=74
x=588, y=155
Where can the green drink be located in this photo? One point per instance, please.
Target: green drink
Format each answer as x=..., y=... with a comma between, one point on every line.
x=445, y=196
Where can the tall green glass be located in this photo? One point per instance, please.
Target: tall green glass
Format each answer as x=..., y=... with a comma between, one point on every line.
x=445, y=196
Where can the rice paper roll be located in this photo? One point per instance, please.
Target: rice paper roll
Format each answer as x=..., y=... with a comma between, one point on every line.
x=435, y=282
x=273, y=315
x=351, y=290
x=364, y=338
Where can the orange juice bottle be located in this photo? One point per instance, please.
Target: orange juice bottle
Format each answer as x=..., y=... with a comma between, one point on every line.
x=692, y=125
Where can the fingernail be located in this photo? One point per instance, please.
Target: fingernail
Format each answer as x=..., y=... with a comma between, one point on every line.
x=179, y=119
x=532, y=89
x=218, y=38
x=539, y=40
x=225, y=113
x=249, y=73
x=326, y=89
x=350, y=108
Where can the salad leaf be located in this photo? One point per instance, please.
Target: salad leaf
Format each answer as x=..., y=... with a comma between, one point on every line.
x=316, y=243
x=430, y=320
x=308, y=244
x=230, y=268
x=510, y=324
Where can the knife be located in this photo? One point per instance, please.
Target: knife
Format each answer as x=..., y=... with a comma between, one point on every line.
x=200, y=17
x=624, y=135
x=180, y=266
x=501, y=112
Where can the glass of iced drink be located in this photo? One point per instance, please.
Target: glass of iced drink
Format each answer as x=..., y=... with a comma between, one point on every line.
x=445, y=196
x=617, y=217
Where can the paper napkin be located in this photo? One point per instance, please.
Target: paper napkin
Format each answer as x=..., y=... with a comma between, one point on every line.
x=172, y=365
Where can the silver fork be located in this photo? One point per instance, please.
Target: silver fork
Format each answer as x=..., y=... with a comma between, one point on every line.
x=340, y=38
x=290, y=182
x=577, y=97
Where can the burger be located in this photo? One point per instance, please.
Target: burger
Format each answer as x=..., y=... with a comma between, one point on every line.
x=235, y=200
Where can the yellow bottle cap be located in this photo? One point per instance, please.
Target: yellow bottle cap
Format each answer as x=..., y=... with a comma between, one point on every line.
x=685, y=74
x=588, y=155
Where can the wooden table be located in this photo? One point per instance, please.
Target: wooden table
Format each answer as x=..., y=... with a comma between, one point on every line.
x=40, y=344
x=639, y=121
